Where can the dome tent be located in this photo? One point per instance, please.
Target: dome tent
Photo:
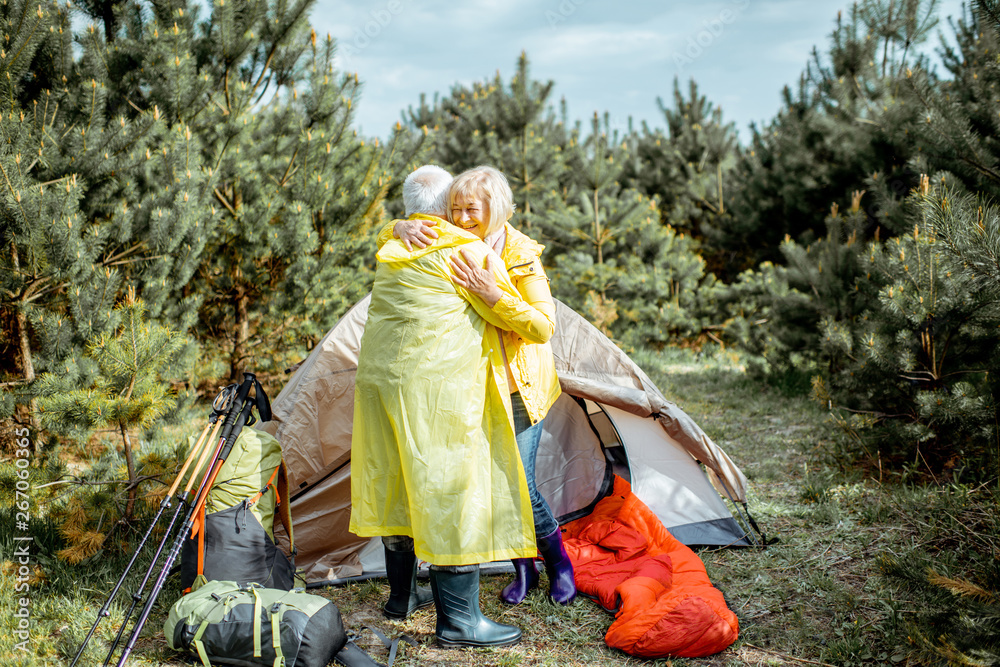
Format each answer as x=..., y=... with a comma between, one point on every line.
x=611, y=419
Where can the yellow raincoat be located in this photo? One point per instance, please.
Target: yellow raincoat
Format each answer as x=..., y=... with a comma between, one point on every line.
x=433, y=452
x=532, y=366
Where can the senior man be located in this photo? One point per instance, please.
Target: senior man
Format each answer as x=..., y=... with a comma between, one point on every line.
x=435, y=468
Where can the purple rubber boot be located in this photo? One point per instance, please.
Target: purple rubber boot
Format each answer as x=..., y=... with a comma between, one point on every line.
x=562, y=586
x=525, y=578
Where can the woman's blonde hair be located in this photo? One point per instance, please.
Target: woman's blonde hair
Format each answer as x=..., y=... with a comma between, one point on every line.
x=487, y=184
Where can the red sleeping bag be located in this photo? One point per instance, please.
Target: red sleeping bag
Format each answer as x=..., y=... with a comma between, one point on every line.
x=666, y=606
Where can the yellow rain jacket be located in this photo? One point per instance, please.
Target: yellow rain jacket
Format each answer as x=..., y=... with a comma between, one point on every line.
x=531, y=363
x=433, y=452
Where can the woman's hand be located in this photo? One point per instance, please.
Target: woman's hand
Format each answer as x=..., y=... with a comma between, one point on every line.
x=417, y=232
x=479, y=281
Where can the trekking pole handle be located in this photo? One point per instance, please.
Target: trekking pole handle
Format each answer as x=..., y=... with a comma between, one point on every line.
x=241, y=397
x=241, y=421
x=224, y=401
x=220, y=459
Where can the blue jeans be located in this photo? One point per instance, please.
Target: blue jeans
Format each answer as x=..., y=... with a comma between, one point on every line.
x=528, y=437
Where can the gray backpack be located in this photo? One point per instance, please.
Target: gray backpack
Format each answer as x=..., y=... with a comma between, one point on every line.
x=226, y=623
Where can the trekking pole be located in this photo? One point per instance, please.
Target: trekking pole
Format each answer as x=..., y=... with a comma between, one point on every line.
x=234, y=423
x=105, y=611
x=222, y=405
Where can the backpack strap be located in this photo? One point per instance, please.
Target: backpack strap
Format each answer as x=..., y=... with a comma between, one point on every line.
x=199, y=532
x=354, y=656
x=270, y=482
x=276, y=612
x=256, y=621
x=263, y=403
x=392, y=645
x=199, y=646
x=283, y=505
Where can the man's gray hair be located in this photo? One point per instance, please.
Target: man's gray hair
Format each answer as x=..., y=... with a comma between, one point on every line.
x=426, y=191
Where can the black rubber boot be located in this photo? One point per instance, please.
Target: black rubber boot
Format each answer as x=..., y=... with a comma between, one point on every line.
x=405, y=597
x=459, y=619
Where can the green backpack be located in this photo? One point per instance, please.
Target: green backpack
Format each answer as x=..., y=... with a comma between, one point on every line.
x=227, y=623
x=233, y=537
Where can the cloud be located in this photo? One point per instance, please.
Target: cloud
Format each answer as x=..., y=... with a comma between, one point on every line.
x=576, y=44
x=485, y=14
x=796, y=11
x=604, y=55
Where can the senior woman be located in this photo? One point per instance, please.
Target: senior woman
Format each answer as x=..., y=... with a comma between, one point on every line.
x=481, y=202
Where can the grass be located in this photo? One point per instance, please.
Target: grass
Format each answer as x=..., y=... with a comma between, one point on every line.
x=819, y=595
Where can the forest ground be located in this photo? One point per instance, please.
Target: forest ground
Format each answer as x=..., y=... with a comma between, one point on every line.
x=815, y=596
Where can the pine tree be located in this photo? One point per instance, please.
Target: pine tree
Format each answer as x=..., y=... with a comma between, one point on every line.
x=638, y=280
x=127, y=392
x=914, y=377
x=509, y=126
x=597, y=165
x=687, y=167
x=900, y=25
x=57, y=274
x=829, y=137
x=584, y=226
x=955, y=133
x=183, y=138
x=955, y=124
x=968, y=227
x=296, y=196
x=781, y=313
x=961, y=220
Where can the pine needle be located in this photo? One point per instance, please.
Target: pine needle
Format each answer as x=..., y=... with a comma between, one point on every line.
x=85, y=546
x=959, y=586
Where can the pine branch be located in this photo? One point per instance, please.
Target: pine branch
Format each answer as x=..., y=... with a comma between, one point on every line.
x=225, y=202
x=991, y=10
x=79, y=481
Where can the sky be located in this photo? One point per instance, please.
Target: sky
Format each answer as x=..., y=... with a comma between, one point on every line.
x=614, y=56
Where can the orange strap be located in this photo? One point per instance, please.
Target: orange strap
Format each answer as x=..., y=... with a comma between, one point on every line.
x=201, y=550
x=198, y=524
x=269, y=484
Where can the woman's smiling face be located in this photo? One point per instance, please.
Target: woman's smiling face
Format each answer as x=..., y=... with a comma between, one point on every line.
x=471, y=213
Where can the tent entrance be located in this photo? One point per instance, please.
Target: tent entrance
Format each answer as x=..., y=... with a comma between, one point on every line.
x=611, y=440
x=572, y=471
x=585, y=443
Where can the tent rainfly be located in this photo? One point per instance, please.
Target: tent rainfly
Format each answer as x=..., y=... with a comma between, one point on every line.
x=611, y=419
